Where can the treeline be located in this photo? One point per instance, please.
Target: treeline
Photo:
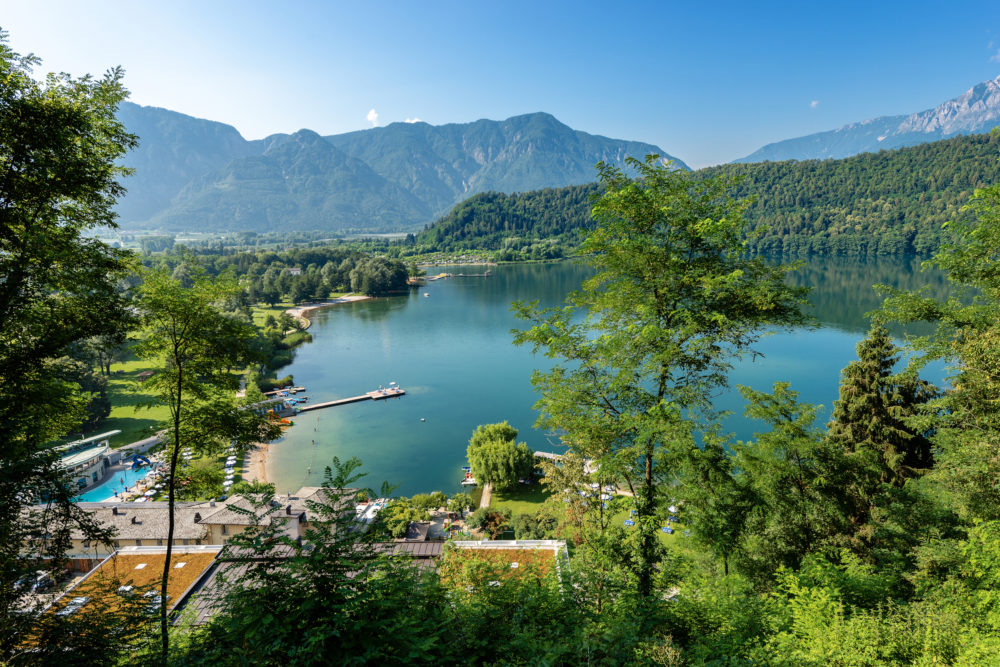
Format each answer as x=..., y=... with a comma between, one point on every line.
x=295, y=275
x=541, y=224
x=885, y=203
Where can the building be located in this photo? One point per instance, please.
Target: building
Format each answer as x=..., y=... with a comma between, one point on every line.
x=86, y=460
x=138, y=571
x=207, y=522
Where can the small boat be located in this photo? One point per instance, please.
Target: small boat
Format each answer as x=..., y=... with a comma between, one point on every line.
x=469, y=481
x=427, y=294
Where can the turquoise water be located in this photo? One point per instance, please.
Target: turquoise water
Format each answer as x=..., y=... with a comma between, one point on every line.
x=107, y=490
x=452, y=352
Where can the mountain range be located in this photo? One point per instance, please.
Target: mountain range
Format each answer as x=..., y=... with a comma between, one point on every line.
x=975, y=111
x=195, y=174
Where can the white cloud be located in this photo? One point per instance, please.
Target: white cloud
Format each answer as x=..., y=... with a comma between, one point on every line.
x=413, y=120
x=995, y=57
x=372, y=117
x=814, y=104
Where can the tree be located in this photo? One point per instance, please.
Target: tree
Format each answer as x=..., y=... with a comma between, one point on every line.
x=797, y=481
x=967, y=434
x=496, y=459
x=60, y=144
x=675, y=300
x=870, y=419
x=336, y=597
x=376, y=276
x=193, y=344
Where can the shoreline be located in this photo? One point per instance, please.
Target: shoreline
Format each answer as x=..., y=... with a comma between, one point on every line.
x=302, y=312
x=258, y=463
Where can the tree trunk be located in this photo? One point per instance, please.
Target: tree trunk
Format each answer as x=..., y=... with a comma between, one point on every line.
x=164, y=636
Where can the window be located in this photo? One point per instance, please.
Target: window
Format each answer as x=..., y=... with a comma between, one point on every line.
x=138, y=543
x=225, y=529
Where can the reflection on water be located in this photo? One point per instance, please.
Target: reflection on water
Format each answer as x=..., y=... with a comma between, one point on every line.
x=451, y=350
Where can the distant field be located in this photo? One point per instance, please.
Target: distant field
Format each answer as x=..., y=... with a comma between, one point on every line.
x=126, y=393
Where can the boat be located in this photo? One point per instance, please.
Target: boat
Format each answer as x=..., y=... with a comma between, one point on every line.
x=427, y=294
x=469, y=481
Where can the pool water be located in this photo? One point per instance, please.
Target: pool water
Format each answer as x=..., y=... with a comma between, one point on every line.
x=118, y=482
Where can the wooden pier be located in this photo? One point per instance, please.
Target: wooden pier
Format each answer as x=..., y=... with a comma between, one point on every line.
x=377, y=395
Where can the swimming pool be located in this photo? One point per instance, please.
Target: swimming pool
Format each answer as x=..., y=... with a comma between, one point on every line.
x=118, y=482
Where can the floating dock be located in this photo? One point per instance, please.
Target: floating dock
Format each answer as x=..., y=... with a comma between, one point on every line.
x=377, y=395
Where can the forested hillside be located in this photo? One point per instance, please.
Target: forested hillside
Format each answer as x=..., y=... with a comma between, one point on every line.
x=886, y=203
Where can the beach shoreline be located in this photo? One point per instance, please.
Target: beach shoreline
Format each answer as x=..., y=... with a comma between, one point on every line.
x=302, y=312
x=258, y=468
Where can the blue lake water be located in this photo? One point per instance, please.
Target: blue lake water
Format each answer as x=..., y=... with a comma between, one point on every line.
x=452, y=352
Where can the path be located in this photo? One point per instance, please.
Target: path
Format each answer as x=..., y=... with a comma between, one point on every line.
x=487, y=495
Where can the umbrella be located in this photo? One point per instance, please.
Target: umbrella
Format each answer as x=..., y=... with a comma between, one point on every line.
x=595, y=485
x=629, y=522
x=672, y=509
x=149, y=493
x=605, y=496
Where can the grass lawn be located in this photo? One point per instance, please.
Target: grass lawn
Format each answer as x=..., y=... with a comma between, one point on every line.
x=261, y=311
x=126, y=392
x=666, y=539
x=521, y=499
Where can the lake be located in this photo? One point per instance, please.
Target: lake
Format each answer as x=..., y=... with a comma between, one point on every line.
x=451, y=351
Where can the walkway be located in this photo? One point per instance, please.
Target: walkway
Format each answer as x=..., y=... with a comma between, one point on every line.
x=377, y=395
x=487, y=495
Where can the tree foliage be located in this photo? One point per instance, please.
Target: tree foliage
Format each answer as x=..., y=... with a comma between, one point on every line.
x=496, y=459
x=194, y=345
x=673, y=303
x=60, y=144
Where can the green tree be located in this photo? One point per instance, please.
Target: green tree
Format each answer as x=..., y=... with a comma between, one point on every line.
x=798, y=482
x=496, y=459
x=335, y=598
x=967, y=435
x=376, y=276
x=870, y=419
x=60, y=144
x=193, y=344
x=674, y=301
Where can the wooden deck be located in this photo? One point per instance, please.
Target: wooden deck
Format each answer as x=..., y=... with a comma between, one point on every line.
x=370, y=396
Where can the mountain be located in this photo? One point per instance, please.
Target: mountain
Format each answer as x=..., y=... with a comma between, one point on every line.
x=173, y=150
x=975, y=111
x=445, y=164
x=299, y=182
x=194, y=174
x=887, y=203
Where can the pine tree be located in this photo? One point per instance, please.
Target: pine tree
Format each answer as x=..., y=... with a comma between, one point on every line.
x=871, y=419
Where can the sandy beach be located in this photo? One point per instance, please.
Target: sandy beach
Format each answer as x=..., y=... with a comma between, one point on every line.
x=258, y=466
x=302, y=312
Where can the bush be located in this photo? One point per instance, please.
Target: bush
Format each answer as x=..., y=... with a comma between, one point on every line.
x=270, y=384
x=537, y=526
x=429, y=501
x=491, y=521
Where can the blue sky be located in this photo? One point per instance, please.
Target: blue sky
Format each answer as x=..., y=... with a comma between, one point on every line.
x=707, y=82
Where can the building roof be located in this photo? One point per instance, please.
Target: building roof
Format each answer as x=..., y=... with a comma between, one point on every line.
x=84, y=441
x=206, y=596
x=146, y=521
x=142, y=568
x=417, y=531
x=81, y=456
